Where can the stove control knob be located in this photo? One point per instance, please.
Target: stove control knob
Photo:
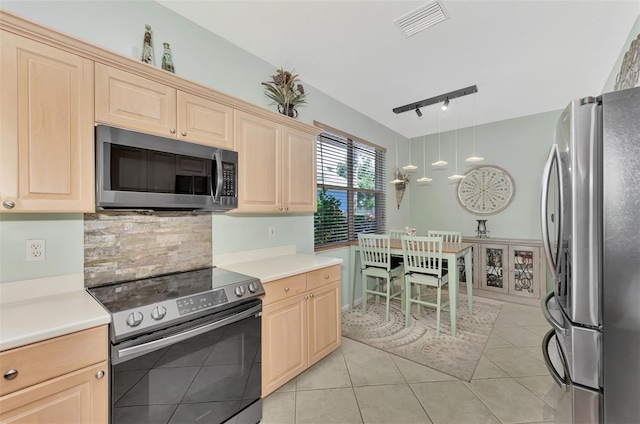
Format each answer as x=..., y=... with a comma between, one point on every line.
x=158, y=313
x=134, y=319
x=239, y=291
x=253, y=287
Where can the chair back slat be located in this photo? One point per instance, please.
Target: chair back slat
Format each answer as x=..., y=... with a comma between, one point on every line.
x=422, y=255
x=447, y=236
x=375, y=250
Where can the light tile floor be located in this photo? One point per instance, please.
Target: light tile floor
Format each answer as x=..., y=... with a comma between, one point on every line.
x=361, y=384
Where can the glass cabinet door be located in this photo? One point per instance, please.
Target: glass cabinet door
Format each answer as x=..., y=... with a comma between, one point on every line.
x=524, y=261
x=494, y=267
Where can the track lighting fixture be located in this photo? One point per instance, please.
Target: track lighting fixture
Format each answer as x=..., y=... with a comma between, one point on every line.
x=418, y=112
x=445, y=105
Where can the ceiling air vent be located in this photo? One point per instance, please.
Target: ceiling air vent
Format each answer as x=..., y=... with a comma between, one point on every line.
x=422, y=18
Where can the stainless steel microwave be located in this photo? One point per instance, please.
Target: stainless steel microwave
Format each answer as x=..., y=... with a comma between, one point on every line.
x=147, y=172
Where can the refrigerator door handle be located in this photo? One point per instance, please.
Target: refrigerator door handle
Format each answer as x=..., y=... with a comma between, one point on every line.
x=560, y=381
x=554, y=156
x=545, y=311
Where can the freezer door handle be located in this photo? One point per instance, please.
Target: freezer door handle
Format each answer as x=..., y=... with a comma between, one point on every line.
x=554, y=157
x=560, y=381
x=550, y=319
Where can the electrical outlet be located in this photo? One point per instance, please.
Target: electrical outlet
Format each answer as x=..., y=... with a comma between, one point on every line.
x=36, y=250
x=272, y=232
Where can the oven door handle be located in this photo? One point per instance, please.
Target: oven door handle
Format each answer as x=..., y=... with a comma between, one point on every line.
x=175, y=338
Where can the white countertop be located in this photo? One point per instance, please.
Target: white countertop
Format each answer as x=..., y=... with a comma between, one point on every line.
x=63, y=306
x=277, y=267
x=25, y=320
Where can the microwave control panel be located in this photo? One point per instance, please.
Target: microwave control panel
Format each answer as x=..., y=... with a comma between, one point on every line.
x=228, y=179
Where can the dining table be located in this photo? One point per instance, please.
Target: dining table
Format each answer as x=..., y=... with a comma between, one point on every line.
x=451, y=252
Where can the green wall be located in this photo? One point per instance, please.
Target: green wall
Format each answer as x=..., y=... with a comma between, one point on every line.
x=519, y=146
x=202, y=57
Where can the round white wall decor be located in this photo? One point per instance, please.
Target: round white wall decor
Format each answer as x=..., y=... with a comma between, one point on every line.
x=485, y=190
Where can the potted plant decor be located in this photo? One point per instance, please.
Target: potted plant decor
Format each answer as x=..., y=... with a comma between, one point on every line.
x=285, y=91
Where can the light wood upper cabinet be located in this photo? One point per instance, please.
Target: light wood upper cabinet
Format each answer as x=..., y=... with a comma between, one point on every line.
x=52, y=385
x=46, y=131
x=276, y=166
x=205, y=122
x=299, y=171
x=130, y=101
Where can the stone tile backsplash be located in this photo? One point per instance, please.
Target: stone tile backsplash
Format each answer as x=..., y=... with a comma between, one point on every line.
x=120, y=246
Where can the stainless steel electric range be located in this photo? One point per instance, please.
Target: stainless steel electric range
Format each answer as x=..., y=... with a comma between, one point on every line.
x=185, y=348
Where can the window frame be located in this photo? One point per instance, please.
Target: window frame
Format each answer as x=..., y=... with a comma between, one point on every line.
x=352, y=145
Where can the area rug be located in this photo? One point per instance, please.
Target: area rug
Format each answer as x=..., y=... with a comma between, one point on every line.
x=457, y=356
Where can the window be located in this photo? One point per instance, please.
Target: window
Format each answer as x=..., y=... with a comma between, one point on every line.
x=351, y=190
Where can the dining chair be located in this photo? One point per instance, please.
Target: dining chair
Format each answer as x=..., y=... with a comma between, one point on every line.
x=396, y=235
x=423, y=267
x=447, y=237
x=375, y=260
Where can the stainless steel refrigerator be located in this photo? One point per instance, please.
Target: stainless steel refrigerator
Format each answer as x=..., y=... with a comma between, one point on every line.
x=591, y=229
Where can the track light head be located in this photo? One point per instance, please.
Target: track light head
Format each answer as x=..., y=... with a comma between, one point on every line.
x=445, y=105
x=418, y=112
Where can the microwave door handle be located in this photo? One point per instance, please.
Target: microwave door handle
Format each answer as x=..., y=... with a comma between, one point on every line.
x=546, y=178
x=560, y=381
x=218, y=189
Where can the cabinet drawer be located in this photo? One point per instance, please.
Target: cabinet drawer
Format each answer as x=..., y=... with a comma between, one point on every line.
x=284, y=288
x=51, y=358
x=323, y=276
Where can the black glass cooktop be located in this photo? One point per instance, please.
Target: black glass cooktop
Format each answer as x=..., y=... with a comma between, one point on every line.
x=132, y=294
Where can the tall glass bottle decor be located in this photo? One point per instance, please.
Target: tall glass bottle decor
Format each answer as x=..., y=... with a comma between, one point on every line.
x=147, y=47
x=167, y=61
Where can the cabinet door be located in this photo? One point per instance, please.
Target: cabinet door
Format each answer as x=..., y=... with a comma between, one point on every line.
x=129, y=101
x=46, y=128
x=204, y=122
x=299, y=171
x=525, y=271
x=284, y=342
x=259, y=163
x=494, y=267
x=77, y=397
x=324, y=321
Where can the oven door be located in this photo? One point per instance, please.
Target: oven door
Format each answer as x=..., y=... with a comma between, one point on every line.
x=204, y=371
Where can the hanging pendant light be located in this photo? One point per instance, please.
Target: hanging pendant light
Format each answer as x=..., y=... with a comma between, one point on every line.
x=439, y=162
x=456, y=176
x=396, y=171
x=424, y=178
x=473, y=157
x=410, y=167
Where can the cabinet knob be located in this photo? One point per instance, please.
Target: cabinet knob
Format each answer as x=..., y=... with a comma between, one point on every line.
x=8, y=204
x=280, y=207
x=286, y=289
x=326, y=277
x=11, y=374
x=172, y=130
x=99, y=374
x=286, y=208
x=306, y=297
x=184, y=133
x=311, y=295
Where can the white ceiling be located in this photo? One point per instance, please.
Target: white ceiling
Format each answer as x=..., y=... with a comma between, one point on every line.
x=526, y=57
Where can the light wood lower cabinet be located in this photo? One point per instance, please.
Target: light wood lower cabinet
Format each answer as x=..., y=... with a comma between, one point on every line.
x=61, y=380
x=46, y=128
x=300, y=324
